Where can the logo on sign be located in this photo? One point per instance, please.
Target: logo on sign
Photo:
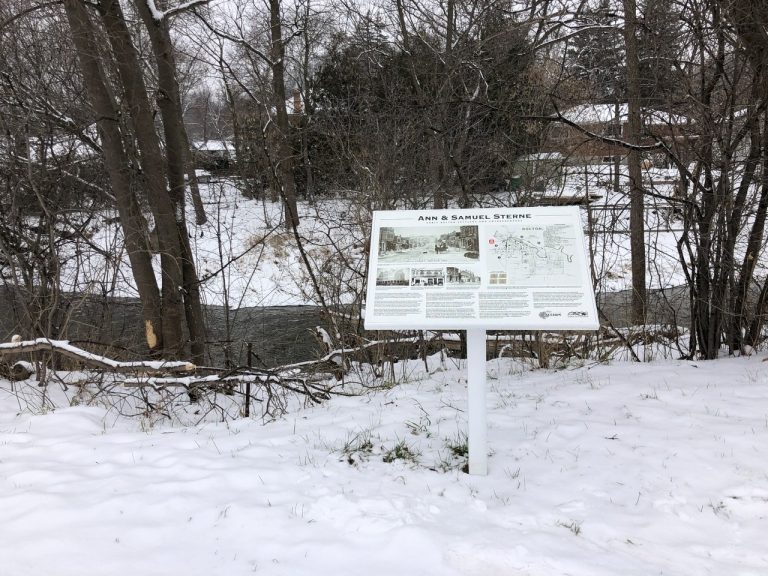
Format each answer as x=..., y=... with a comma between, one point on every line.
x=547, y=314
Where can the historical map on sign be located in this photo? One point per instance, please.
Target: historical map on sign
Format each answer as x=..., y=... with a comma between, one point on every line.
x=532, y=255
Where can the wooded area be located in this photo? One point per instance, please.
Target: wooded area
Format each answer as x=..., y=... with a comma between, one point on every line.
x=395, y=104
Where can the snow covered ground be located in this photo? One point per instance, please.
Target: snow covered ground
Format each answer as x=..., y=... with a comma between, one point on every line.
x=596, y=470
x=244, y=253
x=267, y=270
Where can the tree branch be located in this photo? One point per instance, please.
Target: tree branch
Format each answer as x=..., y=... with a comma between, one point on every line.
x=64, y=348
x=160, y=15
x=658, y=145
x=27, y=11
x=239, y=41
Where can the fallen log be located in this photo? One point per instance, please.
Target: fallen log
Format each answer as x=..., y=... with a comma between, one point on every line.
x=22, y=370
x=64, y=348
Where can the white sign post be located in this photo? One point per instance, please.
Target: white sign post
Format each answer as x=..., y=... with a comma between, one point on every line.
x=479, y=269
x=477, y=445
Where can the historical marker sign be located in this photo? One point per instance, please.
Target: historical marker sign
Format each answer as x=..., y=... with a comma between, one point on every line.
x=501, y=268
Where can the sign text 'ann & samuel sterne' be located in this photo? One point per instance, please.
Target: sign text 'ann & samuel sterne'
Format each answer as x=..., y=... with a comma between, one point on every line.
x=464, y=217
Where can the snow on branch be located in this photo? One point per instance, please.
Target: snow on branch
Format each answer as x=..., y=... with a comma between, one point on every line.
x=64, y=348
x=160, y=15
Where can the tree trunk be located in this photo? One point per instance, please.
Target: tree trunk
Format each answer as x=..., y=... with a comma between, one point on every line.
x=161, y=202
x=637, y=210
x=617, y=156
x=753, y=335
x=194, y=188
x=285, y=153
x=177, y=154
x=117, y=165
x=750, y=20
x=741, y=291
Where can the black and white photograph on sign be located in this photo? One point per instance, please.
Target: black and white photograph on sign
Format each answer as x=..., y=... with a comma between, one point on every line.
x=456, y=275
x=393, y=277
x=532, y=255
x=428, y=277
x=439, y=244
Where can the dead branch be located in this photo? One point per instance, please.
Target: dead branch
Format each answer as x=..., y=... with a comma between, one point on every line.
x=64, y=348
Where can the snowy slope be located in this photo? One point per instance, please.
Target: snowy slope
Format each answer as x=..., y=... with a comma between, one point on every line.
x=600, y=470
x=245, y=257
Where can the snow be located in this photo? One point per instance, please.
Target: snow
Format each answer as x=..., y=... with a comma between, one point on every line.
x=245, y=257
x=599, y=470
x=325, y=338
x=157, y=14
x=65, y=346
x=606, y=114
x=542, y=156
x=214, y=146
x=594, y=470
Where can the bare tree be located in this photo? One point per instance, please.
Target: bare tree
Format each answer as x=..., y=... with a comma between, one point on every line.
x=163, y=172
x=177, y=160
x=117, y=163
x=750, y=20
x=637, y=210
x=285, y=153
